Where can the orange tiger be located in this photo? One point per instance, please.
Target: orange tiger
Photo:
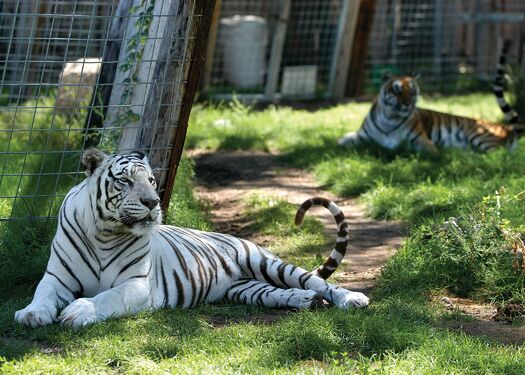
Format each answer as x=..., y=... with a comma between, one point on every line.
x=394, y=120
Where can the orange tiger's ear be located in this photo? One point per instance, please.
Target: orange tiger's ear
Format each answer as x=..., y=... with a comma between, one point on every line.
x=387, y=75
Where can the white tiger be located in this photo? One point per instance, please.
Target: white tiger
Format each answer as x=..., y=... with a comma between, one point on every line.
x=111, y=257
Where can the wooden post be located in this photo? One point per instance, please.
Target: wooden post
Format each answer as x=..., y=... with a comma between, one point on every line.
x=103, y=89
x=343, y=49
x=25, y=20
x=210, y=49
x=144, y=39
x=175, y=81
x=276, y=54
x=438, y=37
x=482, y=38
x=357, y=72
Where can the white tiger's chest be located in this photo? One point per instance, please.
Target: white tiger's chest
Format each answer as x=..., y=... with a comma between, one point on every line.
x=117, y=272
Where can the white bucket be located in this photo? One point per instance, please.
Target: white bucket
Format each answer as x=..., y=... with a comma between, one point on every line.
x=245, y=41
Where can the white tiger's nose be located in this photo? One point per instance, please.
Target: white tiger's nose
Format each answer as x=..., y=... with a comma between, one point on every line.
x=150, y=202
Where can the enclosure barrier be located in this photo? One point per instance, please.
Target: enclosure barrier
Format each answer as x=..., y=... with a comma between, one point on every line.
x=118, y=75
x=320, y=49
x=286, y=49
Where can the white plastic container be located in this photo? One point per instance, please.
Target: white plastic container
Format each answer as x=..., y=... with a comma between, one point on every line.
x=245, y=42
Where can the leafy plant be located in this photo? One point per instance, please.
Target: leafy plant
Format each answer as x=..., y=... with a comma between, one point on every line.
x=471, y=255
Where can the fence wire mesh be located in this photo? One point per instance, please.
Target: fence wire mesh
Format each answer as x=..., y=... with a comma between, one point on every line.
x=74, y=74
x=453, y=45
x=246, y=53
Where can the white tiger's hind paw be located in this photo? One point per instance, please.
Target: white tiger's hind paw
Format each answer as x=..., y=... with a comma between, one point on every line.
x=80, y=313
x=310, y=300
x=36, y=315
x=352, y=300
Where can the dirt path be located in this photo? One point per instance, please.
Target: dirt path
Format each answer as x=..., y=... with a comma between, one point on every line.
x=226, y=178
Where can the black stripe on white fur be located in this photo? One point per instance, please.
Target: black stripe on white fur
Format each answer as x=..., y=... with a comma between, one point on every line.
x=499, y=82
x=102, y=266
x=339, y=251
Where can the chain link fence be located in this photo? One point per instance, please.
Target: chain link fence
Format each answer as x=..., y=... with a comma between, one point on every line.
x=453, y=45
x=319, y=49
x=277, y=49
x=118, y=75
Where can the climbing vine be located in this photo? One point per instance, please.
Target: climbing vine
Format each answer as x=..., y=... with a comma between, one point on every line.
x=134, y=51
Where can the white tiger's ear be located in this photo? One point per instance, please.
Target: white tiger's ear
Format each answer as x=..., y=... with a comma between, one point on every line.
x=415, y=75
x=140, y=155
x=91, y=159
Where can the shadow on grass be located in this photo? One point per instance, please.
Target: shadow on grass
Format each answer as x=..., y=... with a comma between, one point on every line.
x=393, y=328
x=179, y=333
x=24, y=242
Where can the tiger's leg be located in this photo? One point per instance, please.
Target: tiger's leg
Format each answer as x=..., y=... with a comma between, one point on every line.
x=355, y=138
x=285, y=275
x=295, y=277
x=50, y=294
x=421, y=142
x=261, y=293
x=128, y=298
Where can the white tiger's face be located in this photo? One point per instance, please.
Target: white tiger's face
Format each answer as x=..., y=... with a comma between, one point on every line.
x=125, y=193
x=399, y=95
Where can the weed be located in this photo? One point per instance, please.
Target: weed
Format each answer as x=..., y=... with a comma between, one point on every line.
x=470, y=255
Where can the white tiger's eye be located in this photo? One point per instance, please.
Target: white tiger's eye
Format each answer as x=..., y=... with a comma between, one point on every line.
x=152, y=181
x=124, y=180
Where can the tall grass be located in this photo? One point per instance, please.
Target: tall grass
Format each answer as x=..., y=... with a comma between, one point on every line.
x=471, y=255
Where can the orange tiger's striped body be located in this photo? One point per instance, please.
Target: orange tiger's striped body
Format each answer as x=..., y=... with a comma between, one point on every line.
x=394, y=120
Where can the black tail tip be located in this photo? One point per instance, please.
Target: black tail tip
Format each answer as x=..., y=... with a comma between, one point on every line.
x=507, y=44
x=299, y=216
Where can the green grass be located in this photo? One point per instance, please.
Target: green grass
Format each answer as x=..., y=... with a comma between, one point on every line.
x=389, y=337
x=33, y=146
x=273, y=217
x=470, y=256
x=422, y=189
x=392, y=184
x=399, y=333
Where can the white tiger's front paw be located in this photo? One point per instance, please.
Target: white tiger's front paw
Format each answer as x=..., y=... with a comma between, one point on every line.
x=80, y=313
x=35, y=315
x=352, y=300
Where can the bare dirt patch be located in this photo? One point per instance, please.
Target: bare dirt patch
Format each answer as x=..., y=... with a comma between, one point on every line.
x=225, y=178
x=489, y=321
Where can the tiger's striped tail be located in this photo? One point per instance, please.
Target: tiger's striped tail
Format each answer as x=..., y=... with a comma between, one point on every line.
x=339, y=251
x=499, y=82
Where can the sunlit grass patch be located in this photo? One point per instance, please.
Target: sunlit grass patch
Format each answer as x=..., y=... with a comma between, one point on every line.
x=437, y=184
x=274, y=218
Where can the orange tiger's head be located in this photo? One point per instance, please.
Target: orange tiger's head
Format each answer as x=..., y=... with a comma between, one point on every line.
x=399, y=93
